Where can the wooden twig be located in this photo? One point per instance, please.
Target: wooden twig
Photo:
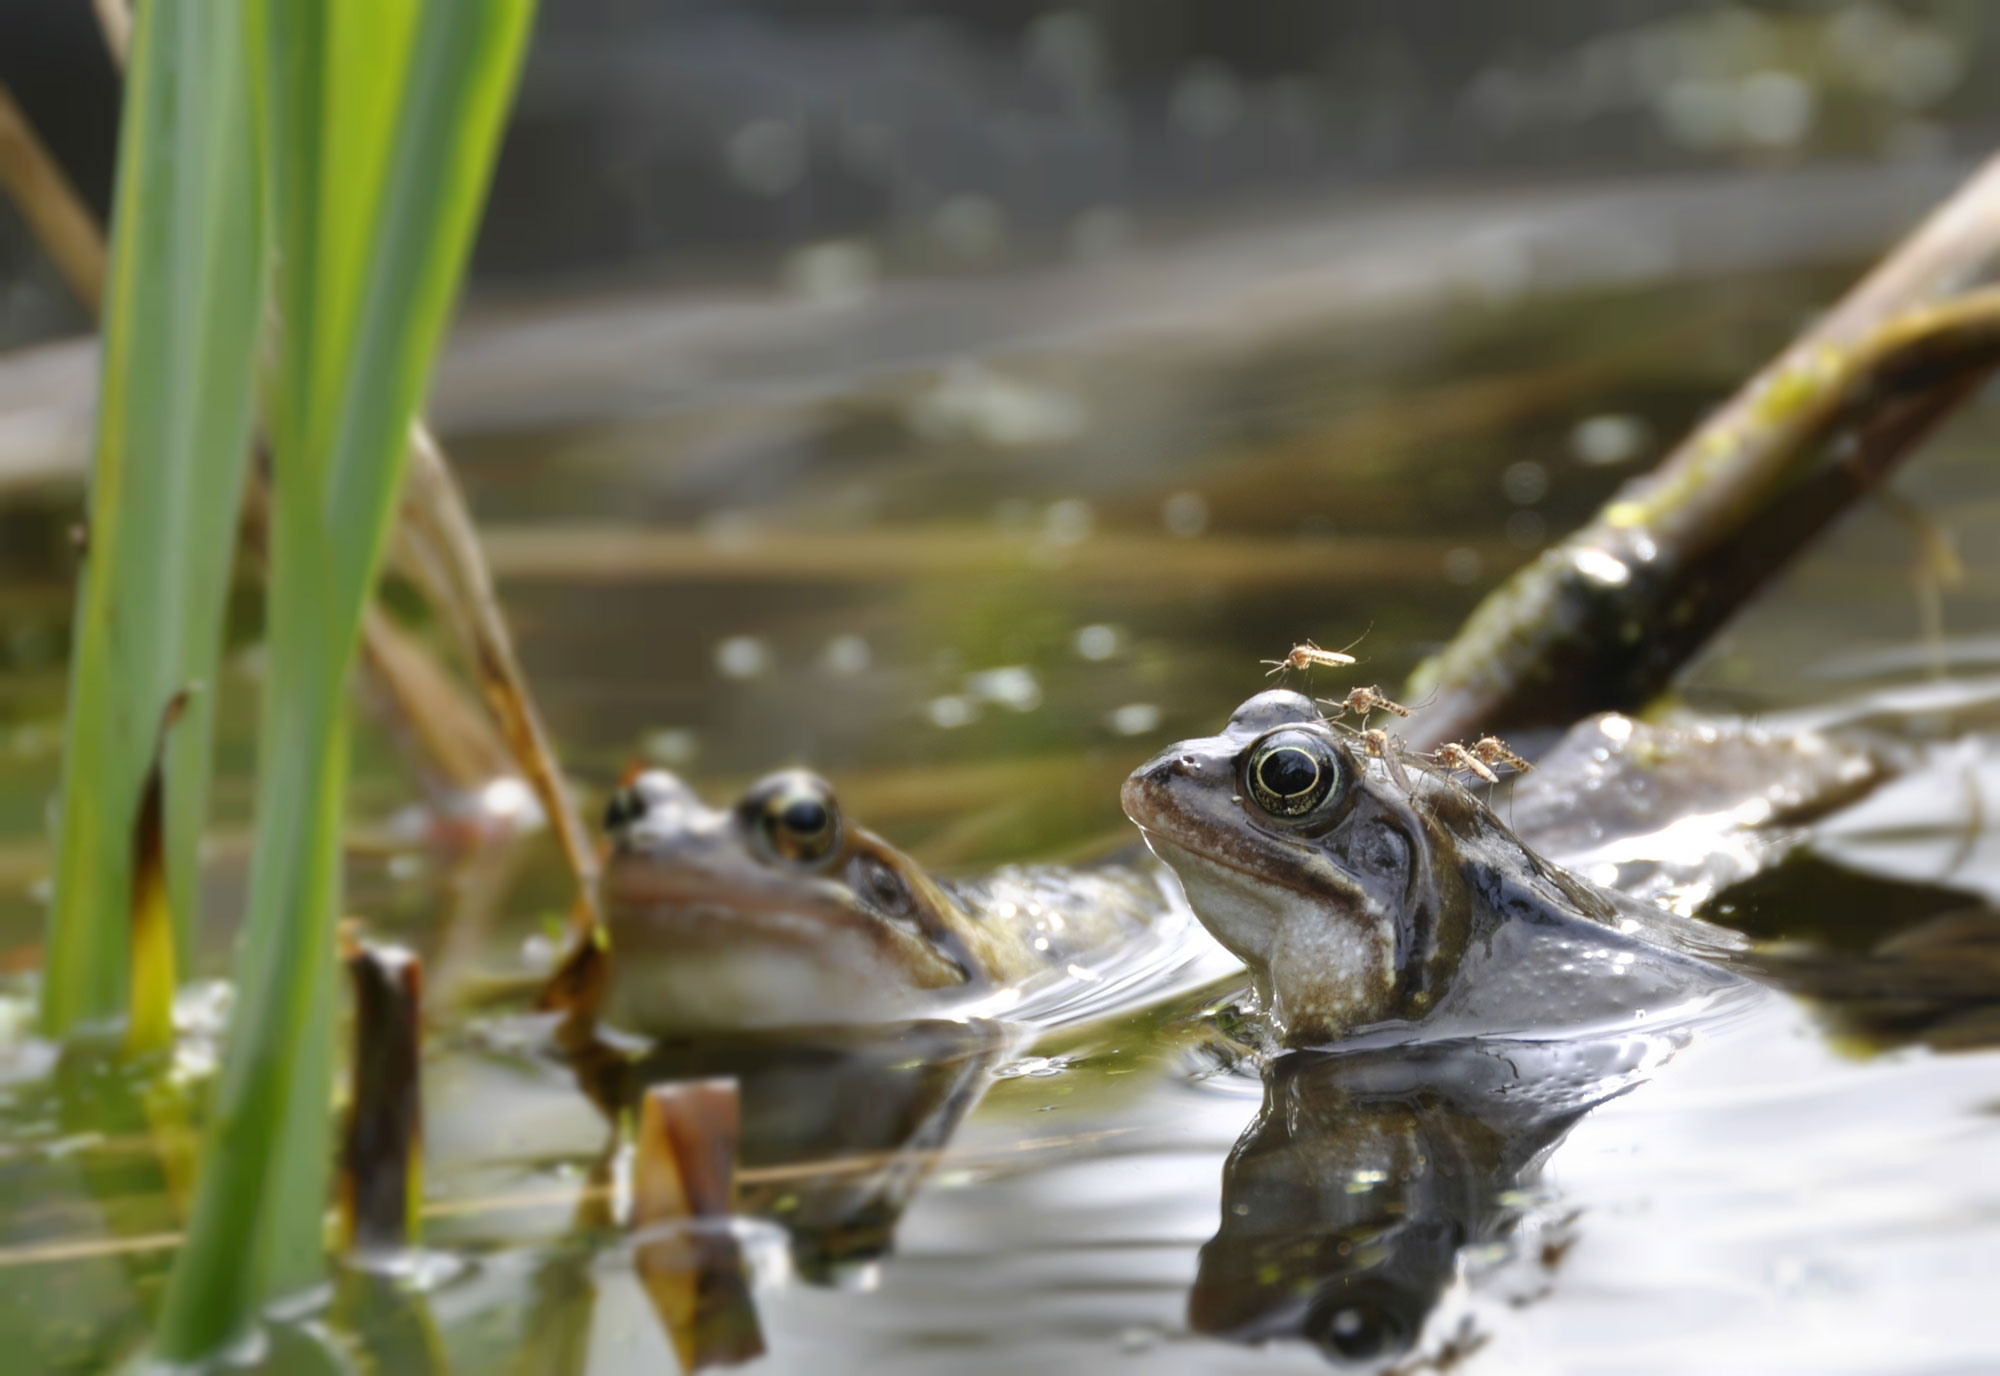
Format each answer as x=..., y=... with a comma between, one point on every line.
x=114, y=21
x=1604, y=619
x=436, y=546
x=61, y=222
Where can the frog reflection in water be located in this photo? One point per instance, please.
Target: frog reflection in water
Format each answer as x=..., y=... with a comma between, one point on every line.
x=1346, y=1202
x=1359, y=901
x=783, y=912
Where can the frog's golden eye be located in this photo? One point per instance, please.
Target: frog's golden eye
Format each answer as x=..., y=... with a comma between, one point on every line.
x=1289, y=773
x=794, y=817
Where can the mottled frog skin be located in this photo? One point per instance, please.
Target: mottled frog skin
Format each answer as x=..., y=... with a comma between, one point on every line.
x=1360, y=902
x=783, y=912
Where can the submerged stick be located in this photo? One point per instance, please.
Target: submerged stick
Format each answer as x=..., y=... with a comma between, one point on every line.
x=381, y=1150
x=1604, y=619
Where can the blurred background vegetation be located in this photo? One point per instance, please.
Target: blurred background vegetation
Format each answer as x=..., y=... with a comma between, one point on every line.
x=963, y=397
x=1043, y=321
x=699, y=141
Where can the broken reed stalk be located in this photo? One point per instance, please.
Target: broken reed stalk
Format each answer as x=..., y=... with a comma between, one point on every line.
x=1604, y=619
x=149, y=1026
x=381, y=1152
x=683, y=1191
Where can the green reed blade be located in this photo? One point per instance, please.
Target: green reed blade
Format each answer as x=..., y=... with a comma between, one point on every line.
x=380, y=121
x=182, y=313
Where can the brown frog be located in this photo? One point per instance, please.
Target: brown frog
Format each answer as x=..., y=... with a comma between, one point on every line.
x=783, y=911
x=1364, y=897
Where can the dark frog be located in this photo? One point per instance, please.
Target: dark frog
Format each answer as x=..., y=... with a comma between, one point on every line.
x=1362, y=896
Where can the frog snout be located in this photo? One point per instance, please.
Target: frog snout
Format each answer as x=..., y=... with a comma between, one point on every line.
x=652, y=799
x=1149, y=788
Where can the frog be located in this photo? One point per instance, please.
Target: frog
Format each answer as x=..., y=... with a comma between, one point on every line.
x=1372, y=899
x=782, y=910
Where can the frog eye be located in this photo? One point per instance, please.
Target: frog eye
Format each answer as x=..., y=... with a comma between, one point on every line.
x=1289, y=773
x=795, y=818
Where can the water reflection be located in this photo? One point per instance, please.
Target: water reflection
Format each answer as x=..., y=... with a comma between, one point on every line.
x=839, y=1128
x=1347, y=1203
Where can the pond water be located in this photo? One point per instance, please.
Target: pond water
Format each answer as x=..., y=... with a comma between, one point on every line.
x=975, y=572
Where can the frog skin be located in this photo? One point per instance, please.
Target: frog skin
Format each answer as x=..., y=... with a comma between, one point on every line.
x=1366, y=899
x=783, y=912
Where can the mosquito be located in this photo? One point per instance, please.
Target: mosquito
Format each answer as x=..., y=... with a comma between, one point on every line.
x=1455, y=756
x=1364, y=701
x=1386, y=748
x=1306, y=654
x=1494, y=751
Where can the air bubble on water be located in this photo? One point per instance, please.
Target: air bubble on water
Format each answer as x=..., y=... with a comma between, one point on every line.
x=510, y=800
x=1068, y=522
x=766, y=156
x=1097, y=642
x=1463, y=565
x=971, y=228
x=675, y=747
x=1185, y=514
x=838, y=272
x=1012, y=686
x=1774, y=109
x=1138, y=1338
x=1136, y=719
x=951, y=711
x=846, y=655
x=1525, y=483
x=1207, y=100
x=742, y=657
